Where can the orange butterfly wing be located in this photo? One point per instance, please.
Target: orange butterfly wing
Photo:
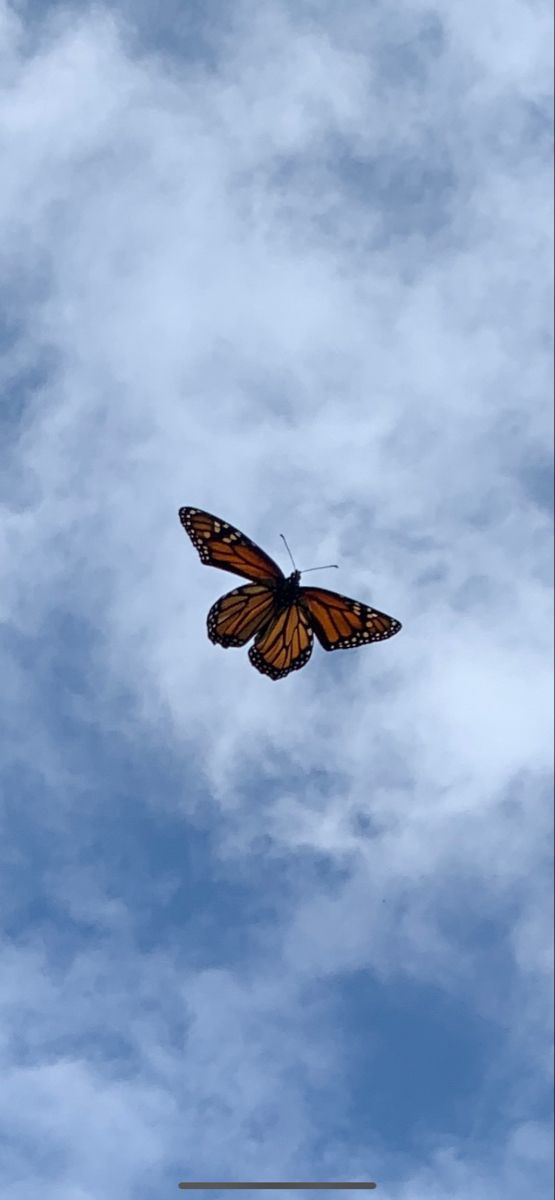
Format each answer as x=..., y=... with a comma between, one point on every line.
x=236, y=617
x=285, y=644
x=221, y=545
x=340, y=623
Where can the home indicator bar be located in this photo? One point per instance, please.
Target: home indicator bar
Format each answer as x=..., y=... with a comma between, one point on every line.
x=365, y=1186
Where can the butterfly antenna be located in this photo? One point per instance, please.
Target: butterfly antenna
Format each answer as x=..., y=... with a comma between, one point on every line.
x=327, y=567
x=288, y=550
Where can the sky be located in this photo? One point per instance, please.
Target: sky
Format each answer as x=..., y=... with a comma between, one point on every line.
x=288, y=262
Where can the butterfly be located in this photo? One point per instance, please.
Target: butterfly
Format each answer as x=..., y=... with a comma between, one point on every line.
x=275, y=610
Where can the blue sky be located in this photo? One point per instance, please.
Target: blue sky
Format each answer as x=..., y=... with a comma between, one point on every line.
x=290, y=263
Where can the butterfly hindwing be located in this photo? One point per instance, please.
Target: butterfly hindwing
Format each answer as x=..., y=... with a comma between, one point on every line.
x=285, y=644
x=221, y=545
x=236, y=617
x=340, y=623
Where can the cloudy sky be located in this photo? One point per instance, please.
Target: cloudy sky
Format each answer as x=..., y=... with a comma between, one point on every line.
x=288, y=262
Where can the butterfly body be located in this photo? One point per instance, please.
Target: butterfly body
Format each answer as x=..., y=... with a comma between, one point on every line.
x=288, y=589
x=273, y=608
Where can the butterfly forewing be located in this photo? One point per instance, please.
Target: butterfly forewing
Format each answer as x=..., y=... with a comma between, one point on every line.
x=340, y=623
x=236, y=617
x=221, y=545
x=285, y=645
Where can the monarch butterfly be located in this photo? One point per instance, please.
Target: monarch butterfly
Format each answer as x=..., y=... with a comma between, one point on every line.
x=276, y=611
